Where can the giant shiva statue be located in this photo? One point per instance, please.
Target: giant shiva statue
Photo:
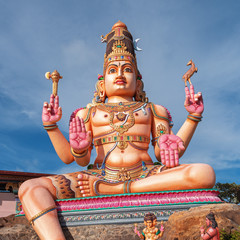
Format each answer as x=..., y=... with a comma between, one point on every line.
x=118, y=123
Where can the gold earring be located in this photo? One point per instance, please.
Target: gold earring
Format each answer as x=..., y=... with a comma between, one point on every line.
x=101, y=94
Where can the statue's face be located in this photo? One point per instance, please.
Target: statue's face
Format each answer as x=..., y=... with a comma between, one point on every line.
x=120, y=79
x=149, y=223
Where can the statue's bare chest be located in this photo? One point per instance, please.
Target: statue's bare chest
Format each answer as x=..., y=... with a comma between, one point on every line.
x=121, y=118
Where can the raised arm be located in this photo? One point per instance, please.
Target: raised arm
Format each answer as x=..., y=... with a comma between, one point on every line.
x=194, y=105
x=170, y=147
x=51, y=114
x=80, y=140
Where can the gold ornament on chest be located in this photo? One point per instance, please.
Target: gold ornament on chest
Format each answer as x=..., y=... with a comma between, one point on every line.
x=123, y=113
x=121, y=116
x=122, y=128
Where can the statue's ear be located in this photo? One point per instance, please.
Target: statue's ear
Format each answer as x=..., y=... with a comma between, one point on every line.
x=139, y=85
x=101, y=85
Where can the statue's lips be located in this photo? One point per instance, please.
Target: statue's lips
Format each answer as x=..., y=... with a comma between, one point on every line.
x=120, y=81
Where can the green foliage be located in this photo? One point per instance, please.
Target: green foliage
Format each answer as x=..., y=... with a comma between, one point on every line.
x=234, y=235
x=229, y=192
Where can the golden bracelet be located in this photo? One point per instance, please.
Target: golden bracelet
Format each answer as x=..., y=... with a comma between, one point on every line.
x=47, y=210
x=194, y=118
x=50, y=127
x=79, y=155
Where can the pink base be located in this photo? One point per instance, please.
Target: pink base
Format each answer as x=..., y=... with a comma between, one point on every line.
x=137, y=200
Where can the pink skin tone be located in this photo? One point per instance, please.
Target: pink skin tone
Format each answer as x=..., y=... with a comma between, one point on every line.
x=51, y=112
x=208, y=222
x=193, y=102
x=80, y=139
x=170, y=144
x=136, y=231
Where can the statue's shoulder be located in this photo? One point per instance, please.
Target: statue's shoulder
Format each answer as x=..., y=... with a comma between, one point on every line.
x=212, y=231
x=83, y=113
x=161, y=112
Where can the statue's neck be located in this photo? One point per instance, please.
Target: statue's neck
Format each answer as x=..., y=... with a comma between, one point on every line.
x=116, y=99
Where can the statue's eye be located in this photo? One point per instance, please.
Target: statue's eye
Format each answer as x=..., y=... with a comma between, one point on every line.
x=112, y=70
x=127, y=69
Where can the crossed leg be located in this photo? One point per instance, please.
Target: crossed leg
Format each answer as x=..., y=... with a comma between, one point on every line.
x=183, y=177
x=37, y=195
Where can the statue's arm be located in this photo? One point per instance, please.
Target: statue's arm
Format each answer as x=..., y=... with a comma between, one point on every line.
x=209, y=234
x=168, y=145
x=161, y=124
x=186, y=132
x=80, y=135
x=194, y=106
x=61, y=145
x=51, y=114
x=142, y=236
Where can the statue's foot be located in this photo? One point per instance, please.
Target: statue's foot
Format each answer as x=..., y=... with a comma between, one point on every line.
x=85, y=183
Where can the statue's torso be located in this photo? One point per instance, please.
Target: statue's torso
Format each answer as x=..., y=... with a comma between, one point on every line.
x=150, y=233
x=138, y=121
x=107, y=124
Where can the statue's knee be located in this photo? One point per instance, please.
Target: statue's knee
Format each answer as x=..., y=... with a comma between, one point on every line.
x=23, y=188
x=201, y=175
x=26, y=186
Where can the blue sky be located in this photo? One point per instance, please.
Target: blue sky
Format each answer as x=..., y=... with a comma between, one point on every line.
x=41, y=36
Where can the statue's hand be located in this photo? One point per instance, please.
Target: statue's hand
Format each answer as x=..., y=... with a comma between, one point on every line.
x=169, y=145
x=193, y=102
x=51, y=112
x=80, y=139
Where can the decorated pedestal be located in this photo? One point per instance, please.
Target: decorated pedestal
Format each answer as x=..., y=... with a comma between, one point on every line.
x=129, y=208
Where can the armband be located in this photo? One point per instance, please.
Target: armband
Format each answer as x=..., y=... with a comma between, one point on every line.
x=169, y=119
x=73, y=115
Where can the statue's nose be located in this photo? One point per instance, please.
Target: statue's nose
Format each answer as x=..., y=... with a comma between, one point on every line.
x=119, y=71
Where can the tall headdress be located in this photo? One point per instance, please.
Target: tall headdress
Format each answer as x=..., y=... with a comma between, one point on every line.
x=120, y=45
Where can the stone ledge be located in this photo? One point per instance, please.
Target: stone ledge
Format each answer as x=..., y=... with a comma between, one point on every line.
x=183, y=225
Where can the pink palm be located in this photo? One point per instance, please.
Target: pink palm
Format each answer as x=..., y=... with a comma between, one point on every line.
x=52, y=113
x=80, y=139
x=193, y=102
x=169, y=145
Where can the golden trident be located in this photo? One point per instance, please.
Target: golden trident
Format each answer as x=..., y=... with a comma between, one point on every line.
x=55, y=76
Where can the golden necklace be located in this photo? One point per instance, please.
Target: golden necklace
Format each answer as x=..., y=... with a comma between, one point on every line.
x=119, y=110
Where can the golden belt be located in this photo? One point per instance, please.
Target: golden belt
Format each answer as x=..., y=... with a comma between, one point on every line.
x=121, y=140
x=123, y=174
